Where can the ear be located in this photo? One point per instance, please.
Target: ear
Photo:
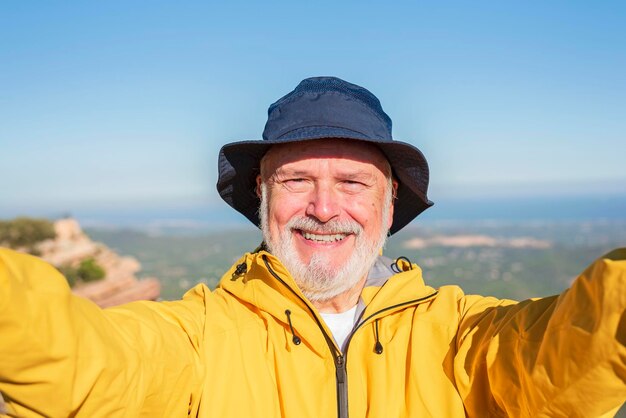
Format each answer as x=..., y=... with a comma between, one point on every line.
x=258, y=185
x=394, y=196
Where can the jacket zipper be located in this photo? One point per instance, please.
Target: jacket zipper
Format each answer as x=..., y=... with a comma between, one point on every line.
x=341, y=374
x=342, y=386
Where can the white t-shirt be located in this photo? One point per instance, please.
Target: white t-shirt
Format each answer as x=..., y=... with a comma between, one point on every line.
x=340, y=324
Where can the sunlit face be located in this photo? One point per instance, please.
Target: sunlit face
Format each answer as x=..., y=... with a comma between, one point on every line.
x=325, y=211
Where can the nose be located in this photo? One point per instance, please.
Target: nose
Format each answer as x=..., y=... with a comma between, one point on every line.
x=324, y=203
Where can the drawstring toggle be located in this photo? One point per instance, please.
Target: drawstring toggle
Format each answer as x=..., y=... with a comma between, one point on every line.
x=378, y=347
x=296, y=340
x=239, y=270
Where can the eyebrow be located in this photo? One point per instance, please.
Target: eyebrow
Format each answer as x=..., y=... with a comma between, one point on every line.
x=350, y=175
x=359, y=175
x=281, y=171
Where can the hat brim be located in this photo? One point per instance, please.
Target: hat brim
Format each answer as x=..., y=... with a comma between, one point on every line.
x=239, y=165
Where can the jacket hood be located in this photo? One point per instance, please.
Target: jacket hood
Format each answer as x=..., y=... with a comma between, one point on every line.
x=260, y=280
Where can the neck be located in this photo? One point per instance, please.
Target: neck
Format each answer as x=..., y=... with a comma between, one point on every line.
x=343, y=301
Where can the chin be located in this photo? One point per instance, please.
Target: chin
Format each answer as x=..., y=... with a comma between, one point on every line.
x=326, y=259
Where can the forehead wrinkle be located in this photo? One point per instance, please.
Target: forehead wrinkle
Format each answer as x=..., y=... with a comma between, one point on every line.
x=324, y=149
x=286, y=171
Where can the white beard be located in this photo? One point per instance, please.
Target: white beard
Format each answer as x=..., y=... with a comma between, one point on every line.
x=318, y=279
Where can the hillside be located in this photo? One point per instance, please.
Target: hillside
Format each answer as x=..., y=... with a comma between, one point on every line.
x=93, y=269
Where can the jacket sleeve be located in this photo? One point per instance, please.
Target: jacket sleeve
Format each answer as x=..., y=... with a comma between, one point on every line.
x=561, y=356
x=61, y=355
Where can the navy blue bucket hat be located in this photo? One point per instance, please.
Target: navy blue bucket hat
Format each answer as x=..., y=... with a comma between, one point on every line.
x=320, y=108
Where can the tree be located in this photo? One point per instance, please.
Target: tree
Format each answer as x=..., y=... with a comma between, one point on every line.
x=25, y=232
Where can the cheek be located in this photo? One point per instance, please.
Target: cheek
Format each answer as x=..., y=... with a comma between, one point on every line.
x=367, y=214
x=283, y=210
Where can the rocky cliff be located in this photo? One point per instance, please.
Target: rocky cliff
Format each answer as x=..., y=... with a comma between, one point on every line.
x=119, y=285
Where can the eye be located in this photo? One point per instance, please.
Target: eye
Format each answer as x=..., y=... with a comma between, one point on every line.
x=294, y=181
x=353, y=185
x=296, y=184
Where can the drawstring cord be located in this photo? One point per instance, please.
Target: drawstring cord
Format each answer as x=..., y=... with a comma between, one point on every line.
x=396, y=268
x=378, y=347
x=296, y=340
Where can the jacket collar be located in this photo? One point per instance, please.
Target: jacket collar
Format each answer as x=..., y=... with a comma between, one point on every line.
x=257, y=285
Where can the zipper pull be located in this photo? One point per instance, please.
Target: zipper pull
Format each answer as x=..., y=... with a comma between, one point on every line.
x=341, y=369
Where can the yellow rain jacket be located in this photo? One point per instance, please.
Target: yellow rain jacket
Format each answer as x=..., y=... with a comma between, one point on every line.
x=256, y=348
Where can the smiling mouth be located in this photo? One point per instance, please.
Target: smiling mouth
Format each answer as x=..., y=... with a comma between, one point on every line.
x=322, y=237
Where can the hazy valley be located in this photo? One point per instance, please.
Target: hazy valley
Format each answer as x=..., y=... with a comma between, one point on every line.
x=505, y=259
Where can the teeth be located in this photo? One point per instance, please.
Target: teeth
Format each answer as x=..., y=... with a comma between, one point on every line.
x=323, y=238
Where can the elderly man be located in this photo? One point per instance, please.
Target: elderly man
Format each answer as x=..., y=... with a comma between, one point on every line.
x=315, y=322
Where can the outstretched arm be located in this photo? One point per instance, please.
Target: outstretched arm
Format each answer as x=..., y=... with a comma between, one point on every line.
x=558, y=356
x=61, y=355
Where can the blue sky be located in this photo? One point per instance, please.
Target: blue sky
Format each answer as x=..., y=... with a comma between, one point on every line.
x=125, y=104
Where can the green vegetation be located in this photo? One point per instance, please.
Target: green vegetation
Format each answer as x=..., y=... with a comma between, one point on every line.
x=25, y=233
x=87, y=271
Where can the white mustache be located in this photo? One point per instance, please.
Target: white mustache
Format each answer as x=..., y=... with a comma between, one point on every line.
x=334, y=226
